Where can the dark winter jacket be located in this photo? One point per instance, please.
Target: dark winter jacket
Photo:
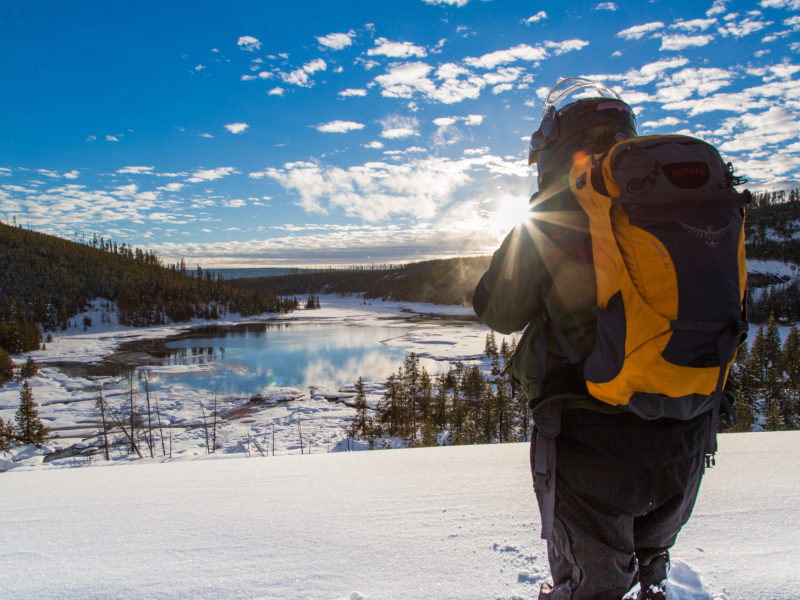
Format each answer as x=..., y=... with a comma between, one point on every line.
x=544, y=263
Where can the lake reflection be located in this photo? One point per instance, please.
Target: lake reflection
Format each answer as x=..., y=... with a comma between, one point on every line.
x=248, y=359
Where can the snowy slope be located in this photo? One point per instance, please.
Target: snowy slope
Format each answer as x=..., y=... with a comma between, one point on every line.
x=428, y=524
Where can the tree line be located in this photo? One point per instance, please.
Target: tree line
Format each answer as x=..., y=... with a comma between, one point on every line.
x=441, y=281
x=46, y=280
x=766, y=380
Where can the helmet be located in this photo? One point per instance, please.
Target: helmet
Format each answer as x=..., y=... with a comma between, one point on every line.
x=579, y=115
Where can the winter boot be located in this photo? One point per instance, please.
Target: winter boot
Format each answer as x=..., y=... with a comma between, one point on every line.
x=653, y=578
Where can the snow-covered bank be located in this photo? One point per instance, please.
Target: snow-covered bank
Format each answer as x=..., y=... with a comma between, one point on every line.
x=429, y=524
x=68, y=405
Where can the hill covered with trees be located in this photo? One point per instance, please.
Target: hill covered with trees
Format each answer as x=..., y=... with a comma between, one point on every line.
x=444, y=281
x=46, y=280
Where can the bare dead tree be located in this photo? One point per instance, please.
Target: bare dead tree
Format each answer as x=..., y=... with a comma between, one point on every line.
x=256, y=444
x=122, y=427
x=205, y=427
x=101, y=402
x=132, y=417
x=214, y=428
x=160, y=430
x=300, y=431
x=149, y=415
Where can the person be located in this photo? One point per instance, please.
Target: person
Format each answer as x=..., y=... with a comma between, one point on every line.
x=624, y=485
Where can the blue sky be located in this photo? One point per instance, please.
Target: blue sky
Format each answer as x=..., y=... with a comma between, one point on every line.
x=361, y=132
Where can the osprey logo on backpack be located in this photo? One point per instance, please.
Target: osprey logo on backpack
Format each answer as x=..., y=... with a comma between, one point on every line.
x=668, y=251
x=687, y=175
x=708, y=235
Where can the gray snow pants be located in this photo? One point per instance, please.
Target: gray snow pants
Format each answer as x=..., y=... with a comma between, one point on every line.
x=624, y=489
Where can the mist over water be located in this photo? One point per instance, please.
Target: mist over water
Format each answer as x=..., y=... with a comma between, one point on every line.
x=246, y=360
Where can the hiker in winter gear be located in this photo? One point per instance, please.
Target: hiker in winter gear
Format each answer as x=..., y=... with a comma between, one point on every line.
x=616, y=473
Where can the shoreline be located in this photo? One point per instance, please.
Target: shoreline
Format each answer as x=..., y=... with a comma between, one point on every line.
x=78, y=365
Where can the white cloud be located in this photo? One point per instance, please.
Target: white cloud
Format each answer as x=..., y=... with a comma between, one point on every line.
x=401, y=81
x=235, y=203
x=790, y=4
x=4, y=171
x=744, y=27
x=665, y=122
x=352, y=92
x=717, y=8
x=679, y=41
x=211, y=174
x=236, y=128
x=503, y=75
x=396, y=49
x=336, y=41
x=445, y=121
x=206, y=135
x=458, y=3
x=367, y=64
x=560, y=48
x=537, y=17
x=249, y=43
x=683, y=84
x=338, y=126
x=503, y=87
x=693, y=24
x=300, y=77
x=447, y=133
x=374, y=145
x=112, y=138
x=752, y=132
x=520, y=52
x=399, y=127
x=276, y=91
x=612, y=6
x=377, y=190
x=135, y=171
x=172, y=187
x=637, y=32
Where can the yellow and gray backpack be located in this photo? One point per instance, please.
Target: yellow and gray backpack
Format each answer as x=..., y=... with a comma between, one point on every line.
x=667, y=237
x=667, y=245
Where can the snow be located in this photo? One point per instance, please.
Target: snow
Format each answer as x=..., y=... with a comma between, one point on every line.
x=68, y=405
x=772, y=267
x=432, y=523
x=435, y=524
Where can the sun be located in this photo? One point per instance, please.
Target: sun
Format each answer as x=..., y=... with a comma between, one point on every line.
x=510, y=212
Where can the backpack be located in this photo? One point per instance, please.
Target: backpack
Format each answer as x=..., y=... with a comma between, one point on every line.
x=667, y=236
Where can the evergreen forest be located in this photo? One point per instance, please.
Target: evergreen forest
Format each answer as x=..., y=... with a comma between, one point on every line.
x=461, y=406
x=45, y=281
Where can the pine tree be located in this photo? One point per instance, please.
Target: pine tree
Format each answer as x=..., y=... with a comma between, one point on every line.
x=29, y=369
x=790, y=354
x=30, y=429
x=6, y=435
x=6, y=367
x=359, y=427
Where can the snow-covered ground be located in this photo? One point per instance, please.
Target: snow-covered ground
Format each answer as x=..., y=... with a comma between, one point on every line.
x=434, y=523
x=68, y=405
x=442, y=523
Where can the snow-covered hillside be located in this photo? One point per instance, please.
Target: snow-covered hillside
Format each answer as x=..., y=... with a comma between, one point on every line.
x=428, y=524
